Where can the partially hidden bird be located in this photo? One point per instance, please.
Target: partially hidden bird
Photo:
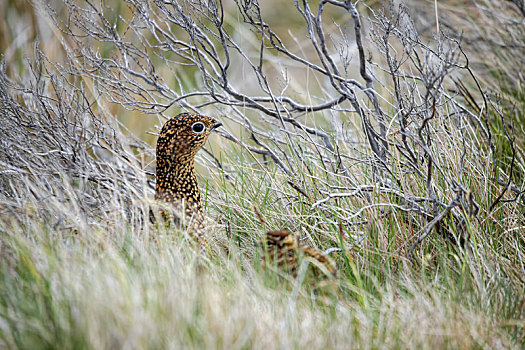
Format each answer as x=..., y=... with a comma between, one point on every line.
x=179, y=140
x=285, y=251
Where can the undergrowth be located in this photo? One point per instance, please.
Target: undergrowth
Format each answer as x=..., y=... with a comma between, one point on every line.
x=429, y=246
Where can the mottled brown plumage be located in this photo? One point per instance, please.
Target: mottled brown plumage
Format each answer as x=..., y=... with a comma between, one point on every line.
x=284, y=250
x=179, y=140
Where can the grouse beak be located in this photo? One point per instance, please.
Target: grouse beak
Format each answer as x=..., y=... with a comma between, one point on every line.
x=215, y=126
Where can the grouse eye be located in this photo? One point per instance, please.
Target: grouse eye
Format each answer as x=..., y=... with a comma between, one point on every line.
x=198, y=127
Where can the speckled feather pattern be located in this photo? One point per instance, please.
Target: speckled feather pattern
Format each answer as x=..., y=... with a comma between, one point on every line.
x=177, y=145
x=283, y=249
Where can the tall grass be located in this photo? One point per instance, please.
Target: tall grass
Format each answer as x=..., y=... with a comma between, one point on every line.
x=82, y=267
x=101, y=289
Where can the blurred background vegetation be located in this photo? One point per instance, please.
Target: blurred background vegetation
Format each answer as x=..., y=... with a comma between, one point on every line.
x=490, y=32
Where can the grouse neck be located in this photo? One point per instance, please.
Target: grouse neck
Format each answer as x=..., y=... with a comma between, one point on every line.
x=176, y=179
